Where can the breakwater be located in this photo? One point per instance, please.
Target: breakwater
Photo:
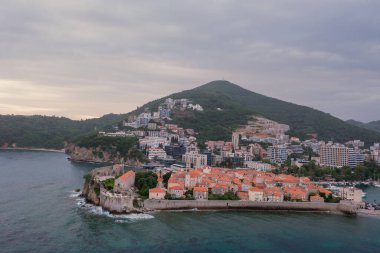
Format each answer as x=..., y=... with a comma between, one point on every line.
x=342, y=207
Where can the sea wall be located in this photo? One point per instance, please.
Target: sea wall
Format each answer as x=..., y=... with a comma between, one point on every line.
x=117, y=203
x=151, y=204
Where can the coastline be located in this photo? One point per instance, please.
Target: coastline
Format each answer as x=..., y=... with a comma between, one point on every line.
x=34, y=149
x=170, y=205
x=369, y=213
x=90, y=161
x=326, y=208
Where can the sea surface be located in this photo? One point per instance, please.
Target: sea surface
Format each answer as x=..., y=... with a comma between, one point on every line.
x=40, y=212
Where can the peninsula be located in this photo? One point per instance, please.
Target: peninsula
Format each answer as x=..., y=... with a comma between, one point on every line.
x=128, y=192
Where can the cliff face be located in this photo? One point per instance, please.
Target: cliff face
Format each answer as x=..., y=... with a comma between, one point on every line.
x=89, y=192
x=89, y=154
x=97, y=155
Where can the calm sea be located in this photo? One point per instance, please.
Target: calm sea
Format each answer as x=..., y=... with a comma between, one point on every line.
x=39, y=212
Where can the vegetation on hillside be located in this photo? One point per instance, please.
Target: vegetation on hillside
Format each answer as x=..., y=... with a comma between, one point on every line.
x=125, y=147
x=109, y=184
x=145, y=181
x=361, y=173
x=236, y=105
x=48, y=132
x=226, y=106
x=373, y=125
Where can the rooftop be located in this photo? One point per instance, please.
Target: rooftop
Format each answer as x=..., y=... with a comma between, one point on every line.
x=127, y=175
x=157, y=190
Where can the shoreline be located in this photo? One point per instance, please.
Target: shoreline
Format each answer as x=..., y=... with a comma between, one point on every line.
x=34, y=149
x=369, y=213
x=154, y=205
x=90, y=161
x=215, y=209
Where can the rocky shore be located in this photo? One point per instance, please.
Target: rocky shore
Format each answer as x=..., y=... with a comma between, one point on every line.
x=116, y=203
x=35, y=149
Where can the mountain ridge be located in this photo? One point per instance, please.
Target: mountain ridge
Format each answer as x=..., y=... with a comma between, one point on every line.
x=244, y=103
x=372, y=125
x=236, y=106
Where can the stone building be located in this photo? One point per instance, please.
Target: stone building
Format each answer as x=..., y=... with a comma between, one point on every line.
x=256, y=194
x=125, y=182
x=157, y=193
x=200, y=193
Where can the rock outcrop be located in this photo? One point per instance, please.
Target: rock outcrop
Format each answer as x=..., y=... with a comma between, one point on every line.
x=92, y=187
x=97, y=155
x=89, y=154
x=95, y=193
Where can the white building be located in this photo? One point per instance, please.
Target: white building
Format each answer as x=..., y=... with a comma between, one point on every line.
x=117, y=134
x=337, y=155
x=196, y=107
x=351, y=194
x=277, y=154
x=255, y=194
x=258, y=166
x=153, y=142
x=156, y=153
x=375, y=153
x=235, y=140
x=157, y=193
x=194, y=160
x=200, y=193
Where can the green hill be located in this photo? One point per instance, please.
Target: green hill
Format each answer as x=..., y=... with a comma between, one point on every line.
x=238, y=104
x=373, y=125
x=48, y=132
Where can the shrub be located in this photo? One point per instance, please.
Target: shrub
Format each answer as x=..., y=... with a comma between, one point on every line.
x=109, y=183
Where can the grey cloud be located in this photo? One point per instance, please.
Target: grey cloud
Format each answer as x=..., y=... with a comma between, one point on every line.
x=110, y=56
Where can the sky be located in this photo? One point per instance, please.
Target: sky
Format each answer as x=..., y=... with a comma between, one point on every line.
x=86, y=58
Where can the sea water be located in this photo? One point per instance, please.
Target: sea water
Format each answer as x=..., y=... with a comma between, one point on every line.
x=41, y=212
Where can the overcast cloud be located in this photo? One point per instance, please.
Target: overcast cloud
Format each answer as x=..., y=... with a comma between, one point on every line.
x=86, y=58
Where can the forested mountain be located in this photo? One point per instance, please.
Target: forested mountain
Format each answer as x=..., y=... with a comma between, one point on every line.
x=226, y=106
x=373, y=125
x=236, y=105
x=48, y=132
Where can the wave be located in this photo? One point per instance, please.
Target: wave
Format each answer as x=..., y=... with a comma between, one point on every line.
x=74, y=194
x=119, y=218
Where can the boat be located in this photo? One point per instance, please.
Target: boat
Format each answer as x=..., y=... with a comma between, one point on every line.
x=377, y=185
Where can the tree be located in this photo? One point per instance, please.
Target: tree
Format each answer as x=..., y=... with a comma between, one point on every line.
x=145, y=181
x=165, y=178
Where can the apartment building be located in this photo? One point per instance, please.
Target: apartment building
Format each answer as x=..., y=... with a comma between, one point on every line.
x=337, y=155
x=277, y=154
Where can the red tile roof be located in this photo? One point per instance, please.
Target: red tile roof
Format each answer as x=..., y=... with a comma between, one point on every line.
x=255, y=189
x=200, y=189
x=157, y=190
x=127, y=175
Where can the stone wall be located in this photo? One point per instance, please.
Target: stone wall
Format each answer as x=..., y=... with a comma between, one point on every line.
x=150, y=204
x=117, y=203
